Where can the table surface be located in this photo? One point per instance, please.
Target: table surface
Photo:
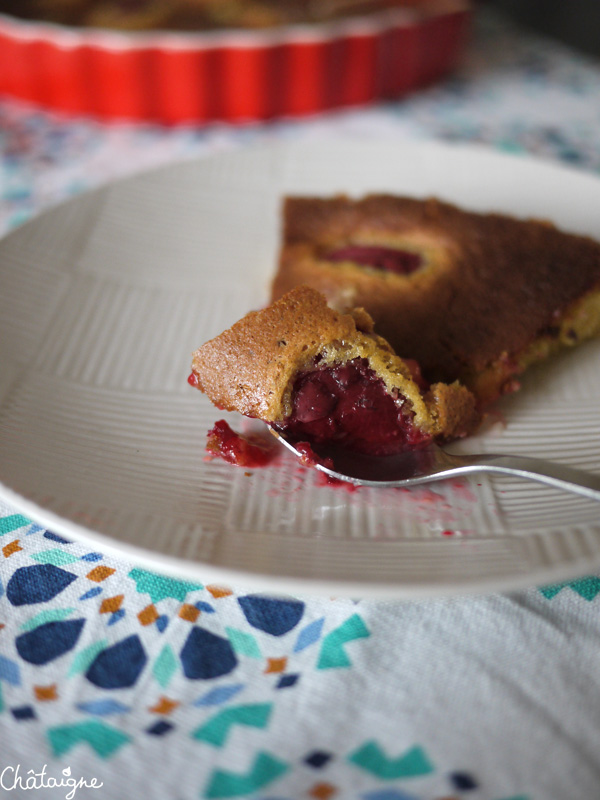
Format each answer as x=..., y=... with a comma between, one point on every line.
x=116, y=682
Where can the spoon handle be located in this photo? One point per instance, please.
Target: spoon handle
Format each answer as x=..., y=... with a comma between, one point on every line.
x=560, y=476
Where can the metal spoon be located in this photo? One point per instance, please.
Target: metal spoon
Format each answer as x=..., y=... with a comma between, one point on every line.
x=432, y=463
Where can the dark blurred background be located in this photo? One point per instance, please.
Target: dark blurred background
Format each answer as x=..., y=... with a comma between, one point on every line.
x=574, y=22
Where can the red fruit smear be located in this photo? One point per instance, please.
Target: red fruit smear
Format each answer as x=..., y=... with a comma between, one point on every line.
x=193, y=379
x=310, y=459
x=242, y=451
x=348, y=406
x=390, y=259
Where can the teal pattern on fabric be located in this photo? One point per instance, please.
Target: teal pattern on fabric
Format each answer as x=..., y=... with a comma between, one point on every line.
x=413, y=763
x=588, y=588
x=217, y=729
x=159, y=587
x=13, y=523
x=102, y=738
x=244, y=644
x=333, y=654
x=54, y=556
x=265, y=769
x=165, y=666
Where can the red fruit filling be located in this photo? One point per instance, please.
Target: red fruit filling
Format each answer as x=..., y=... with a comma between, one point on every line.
x=311, y=459
x=243, y=451
x=390, y=259
x=348, y=406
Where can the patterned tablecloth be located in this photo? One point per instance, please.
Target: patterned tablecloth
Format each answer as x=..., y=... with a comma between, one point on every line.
x=118, y=683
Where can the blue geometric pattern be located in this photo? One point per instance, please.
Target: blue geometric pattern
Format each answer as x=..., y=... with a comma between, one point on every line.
x=215, y=680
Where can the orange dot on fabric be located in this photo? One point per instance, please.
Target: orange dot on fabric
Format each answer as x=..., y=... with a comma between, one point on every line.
x=111, y=604
x=148, y=615
x=276, y=664
x=99, y=574
x=323, y=791
x=164, y=706
x=46, y=693
x=11, y=548
x=219, y=591
x=189, y=612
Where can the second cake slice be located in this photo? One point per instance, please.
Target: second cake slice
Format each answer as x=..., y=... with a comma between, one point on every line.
x=472, y=297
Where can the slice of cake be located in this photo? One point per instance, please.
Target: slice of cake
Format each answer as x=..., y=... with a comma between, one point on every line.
x=472, y=297
x=324, y=377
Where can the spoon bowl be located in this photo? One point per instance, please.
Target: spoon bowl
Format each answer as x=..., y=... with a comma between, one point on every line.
x=433, y=463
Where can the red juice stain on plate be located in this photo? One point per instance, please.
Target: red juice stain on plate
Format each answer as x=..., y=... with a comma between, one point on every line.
x=464, y=492
x=242, y=451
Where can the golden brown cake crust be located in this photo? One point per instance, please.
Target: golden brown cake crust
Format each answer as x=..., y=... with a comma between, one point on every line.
x=207, y=14
x=491, y=286
x=251, y=367
x=454, y=408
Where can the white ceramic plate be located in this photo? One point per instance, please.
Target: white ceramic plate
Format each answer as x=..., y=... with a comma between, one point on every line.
x=102, y=301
